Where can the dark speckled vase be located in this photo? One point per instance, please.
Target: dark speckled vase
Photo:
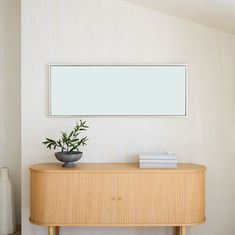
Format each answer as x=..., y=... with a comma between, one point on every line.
x=69, y=158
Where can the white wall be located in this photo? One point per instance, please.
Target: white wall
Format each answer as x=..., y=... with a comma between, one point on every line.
x=2, y=82
x=104, y=31
x=10, y=93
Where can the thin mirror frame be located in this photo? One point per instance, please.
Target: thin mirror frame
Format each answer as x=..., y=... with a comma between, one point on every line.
x=165, y=65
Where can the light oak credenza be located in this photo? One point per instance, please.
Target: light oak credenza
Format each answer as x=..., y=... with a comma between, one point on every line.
x=116, y=194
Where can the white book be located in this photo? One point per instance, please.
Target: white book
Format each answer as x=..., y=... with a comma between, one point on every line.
x=158, y=161
x=162, y=155
x=152, y=163
x=157, y=165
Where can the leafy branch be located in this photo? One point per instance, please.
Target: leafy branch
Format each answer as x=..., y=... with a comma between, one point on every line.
x=69, y=142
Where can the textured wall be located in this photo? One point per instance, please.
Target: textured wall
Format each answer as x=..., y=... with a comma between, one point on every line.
x=104, y=31
x=10, y=93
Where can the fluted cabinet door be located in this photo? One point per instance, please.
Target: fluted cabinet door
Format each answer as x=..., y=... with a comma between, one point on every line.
x=160, y=198
x=72, y=198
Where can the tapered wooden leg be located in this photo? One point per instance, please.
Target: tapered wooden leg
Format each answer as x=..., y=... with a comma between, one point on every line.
x=50, y=230
x=183, y=230
x=57, y=230
x=177, y=230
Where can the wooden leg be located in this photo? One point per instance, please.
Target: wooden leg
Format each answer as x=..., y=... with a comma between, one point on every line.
x=183, y=230
x=57, y=230
x=50, y=230
x=177, y=230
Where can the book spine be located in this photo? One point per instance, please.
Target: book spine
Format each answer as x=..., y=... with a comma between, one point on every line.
x=157, y=158
x=158, y=165
x=158, y=161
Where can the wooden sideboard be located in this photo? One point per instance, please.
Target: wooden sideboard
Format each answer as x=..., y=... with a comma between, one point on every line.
x=116, y=194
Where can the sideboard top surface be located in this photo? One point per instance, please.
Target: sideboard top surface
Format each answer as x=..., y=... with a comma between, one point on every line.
x=113, y=167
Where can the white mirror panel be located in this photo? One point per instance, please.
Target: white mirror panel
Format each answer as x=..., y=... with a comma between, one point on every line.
x=114, y=90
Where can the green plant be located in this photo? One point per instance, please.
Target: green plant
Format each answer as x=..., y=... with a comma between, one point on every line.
x=69, y=142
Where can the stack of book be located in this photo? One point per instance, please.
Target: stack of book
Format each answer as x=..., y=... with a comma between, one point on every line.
x=158, y=160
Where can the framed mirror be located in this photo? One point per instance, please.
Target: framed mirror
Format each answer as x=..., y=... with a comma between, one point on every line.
x=117, y=90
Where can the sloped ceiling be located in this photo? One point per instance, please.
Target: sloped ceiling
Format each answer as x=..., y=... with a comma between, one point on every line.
x=219, y=14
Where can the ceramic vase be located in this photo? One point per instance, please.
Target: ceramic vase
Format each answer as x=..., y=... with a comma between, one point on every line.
x=69, y=158
x=7, y=212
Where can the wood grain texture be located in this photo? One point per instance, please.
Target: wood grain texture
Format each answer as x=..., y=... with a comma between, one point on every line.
x=57, y=230
x=112, y=167
x=183, y=230
x=50, y=230
x=125, y=196
x=18, y=228
x=177, y=230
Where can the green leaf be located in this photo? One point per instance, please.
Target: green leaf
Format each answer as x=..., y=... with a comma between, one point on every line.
x=69, y=142
x=74, y=140
x=70, y=135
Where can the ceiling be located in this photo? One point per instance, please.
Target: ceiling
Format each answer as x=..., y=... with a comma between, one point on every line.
x=219, y=14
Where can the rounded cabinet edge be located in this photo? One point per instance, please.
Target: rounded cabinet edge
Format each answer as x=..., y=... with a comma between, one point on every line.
x=114, y=225
x=57, y=168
